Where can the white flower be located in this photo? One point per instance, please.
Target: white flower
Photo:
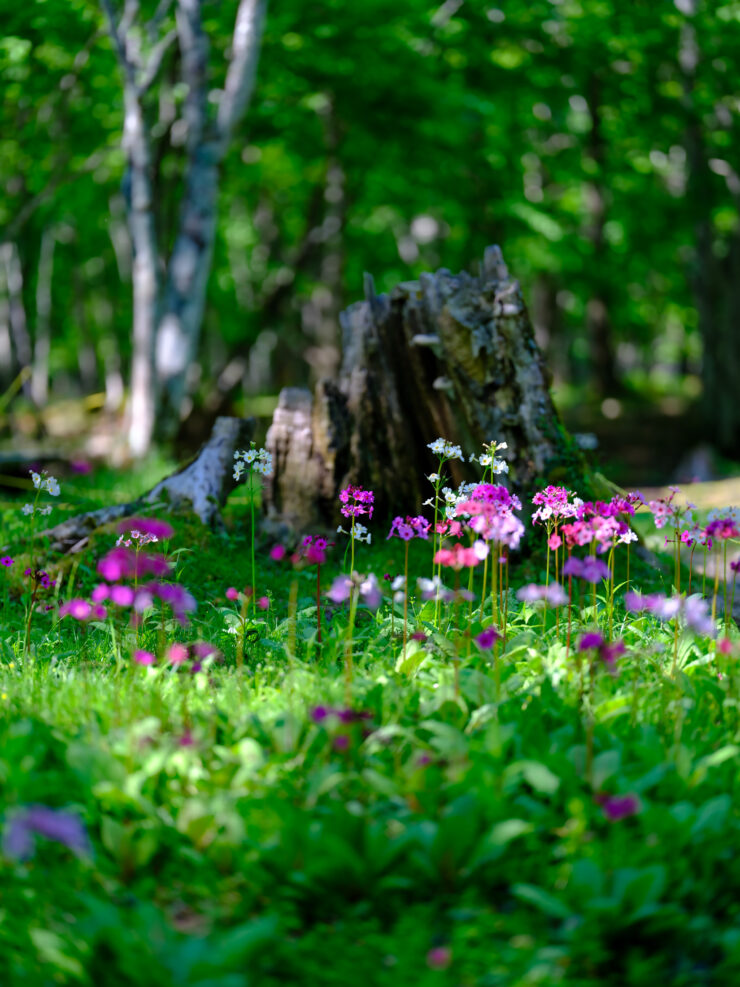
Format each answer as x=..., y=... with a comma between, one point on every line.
x=238, y=470
x=433, y=477
x=398, y=583
x=45, y=510
x=27, y=509
x=52, y=486
x=481, y=550
x=36, y=479
x=500, y=466
x=445, y=450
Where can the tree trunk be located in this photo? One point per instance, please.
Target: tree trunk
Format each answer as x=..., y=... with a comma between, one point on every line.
x=168, y=312
x=448, y=355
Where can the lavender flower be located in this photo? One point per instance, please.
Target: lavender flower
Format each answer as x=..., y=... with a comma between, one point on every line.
x=53, y=824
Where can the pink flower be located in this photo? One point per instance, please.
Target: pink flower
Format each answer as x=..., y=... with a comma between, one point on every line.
x=439, y=958
x=724, y=646
x=122, y=596
x=177, y=653
x=356, y=502
x=277, y=552
x=100, y=593
x=554, y=542
x=6, y=560
x=78, y=608
x=142, y=657
x=147, y=525
x=263, y=603
x=232, y=593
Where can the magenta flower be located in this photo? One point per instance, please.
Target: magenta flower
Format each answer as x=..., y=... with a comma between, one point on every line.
x=232, y=593
x=142, y=657
x=591, y=640
x=277, y=552
x=618, y=807
x=148, y=526
x=6, y=560
x=356, y=502
x=439, y=958
x=485, y=640
x=77, y=608
x=100, y=593
x=312, y=549
x=411, y=527
x=263, y=602
x=122, y=596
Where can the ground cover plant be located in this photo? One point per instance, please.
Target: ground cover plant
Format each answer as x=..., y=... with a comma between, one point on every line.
x=485, y=744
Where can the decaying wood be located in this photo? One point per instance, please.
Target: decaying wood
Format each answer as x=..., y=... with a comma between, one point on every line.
x=201, y=486
x=447, y=355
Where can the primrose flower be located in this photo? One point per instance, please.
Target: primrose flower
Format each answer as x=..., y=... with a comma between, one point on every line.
x=368, y=590
x=590, y=569
x=142, y=657
x=146, y=528
x=553, y=594
x=434, y=589
x=277, y=552
x=45, y=482
x=554, y=503
x=253, y=460
x=594, y=641
x=445, y=449
x=460, y=556
x=618, y=807
x=411, y=527
x=313, y=549
x=6, y=560
x=360, y=532
x=356, y=501
x=53, y=824
x=485, y=640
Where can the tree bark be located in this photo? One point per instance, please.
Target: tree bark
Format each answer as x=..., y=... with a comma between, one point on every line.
x=168, y=310
x=448, y=355
x=201, y=486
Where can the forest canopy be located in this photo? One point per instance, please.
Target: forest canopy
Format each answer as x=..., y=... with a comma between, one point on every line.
x=596, y=141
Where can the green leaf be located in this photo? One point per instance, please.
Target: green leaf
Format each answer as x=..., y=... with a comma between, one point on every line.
x=542, y=900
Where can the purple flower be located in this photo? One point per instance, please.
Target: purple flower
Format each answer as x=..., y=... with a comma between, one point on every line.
x=590, y=640
x=486, y=638
x=340, y=589
x=6, y=560
x=320, y=713
x=618, y=807
x=53, y=824
x=553, y=594
x=411, y=527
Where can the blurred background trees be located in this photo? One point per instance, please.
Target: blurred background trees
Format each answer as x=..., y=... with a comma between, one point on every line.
x=595, y=140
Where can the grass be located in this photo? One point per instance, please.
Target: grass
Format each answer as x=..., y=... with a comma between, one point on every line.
x=443, y=823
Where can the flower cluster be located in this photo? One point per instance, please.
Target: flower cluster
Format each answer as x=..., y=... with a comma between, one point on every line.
x=693, y=609
x=411, y=527
x=490, y=513
x=593, y=641
x=445, y=450
x=355, y=502
x=590, y=569
x=253, y=460
x=367, y=588
x=554, y=504
x=459, y=556
x=553, y=594
x=43, y=483
x=488, y=460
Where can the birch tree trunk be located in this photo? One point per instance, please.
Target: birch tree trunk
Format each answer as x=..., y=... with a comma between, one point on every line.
x=169, y=293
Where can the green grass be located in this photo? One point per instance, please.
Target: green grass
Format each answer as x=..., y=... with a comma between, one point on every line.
x=444, y=838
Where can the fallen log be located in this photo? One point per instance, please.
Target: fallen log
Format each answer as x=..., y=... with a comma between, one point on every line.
x=201, y=486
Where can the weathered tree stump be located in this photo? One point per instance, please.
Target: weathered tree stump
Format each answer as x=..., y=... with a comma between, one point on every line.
x=201, y=486
x=447, y=355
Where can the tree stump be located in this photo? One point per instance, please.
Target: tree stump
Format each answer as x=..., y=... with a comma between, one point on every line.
x=447, y=355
